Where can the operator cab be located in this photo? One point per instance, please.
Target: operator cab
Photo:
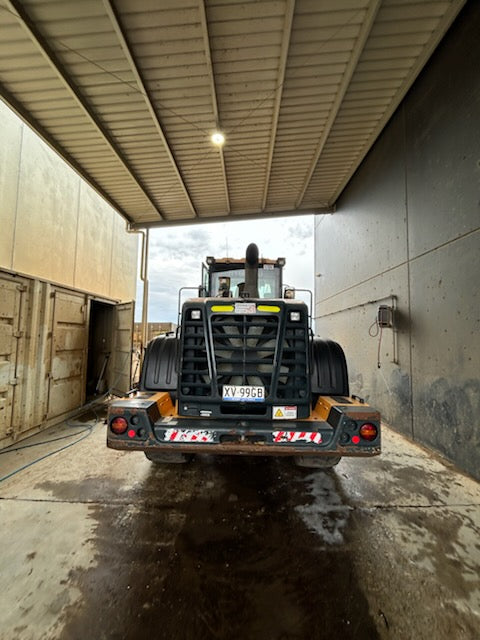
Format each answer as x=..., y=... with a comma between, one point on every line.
x=225, y=277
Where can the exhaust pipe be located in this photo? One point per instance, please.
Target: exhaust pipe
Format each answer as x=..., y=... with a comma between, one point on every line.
x=251, y=272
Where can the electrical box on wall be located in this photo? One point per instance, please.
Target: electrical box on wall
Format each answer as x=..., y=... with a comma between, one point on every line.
x=385, y=316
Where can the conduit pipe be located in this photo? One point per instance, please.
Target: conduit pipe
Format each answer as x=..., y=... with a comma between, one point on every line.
x=145, y=233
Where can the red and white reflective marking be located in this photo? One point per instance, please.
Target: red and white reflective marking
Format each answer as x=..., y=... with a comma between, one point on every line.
x=282, y=437
x=188, y=435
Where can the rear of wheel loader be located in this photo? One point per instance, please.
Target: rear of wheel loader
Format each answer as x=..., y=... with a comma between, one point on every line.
x=245, y=376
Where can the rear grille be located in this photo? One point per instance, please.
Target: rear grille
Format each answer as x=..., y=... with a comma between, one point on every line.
x=244, y=349
x=259, y=349
x=292, y=381
x=195, y=376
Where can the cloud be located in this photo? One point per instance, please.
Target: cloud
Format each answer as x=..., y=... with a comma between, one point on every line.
x=300, y=231
x=176, y=255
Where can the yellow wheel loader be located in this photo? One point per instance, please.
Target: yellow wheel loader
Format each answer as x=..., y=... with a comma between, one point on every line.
x=244, y=375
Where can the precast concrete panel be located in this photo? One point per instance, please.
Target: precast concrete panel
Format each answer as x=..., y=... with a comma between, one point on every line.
x=10, y=149
x=370, y=233
x=349, y=318
x=445, y=309
x=433, y=392
x=53, y=225
x=124, y=262
x=46, y=222
x=443, y=143
x=94, y=243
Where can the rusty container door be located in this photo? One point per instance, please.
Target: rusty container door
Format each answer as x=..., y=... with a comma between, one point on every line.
x=11, y=298
x=68, y=353
x=121, y=361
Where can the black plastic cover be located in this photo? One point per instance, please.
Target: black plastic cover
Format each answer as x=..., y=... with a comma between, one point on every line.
x=329, y=369
x=159, y=370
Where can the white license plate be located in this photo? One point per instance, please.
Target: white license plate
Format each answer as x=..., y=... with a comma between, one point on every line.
x=246, y=393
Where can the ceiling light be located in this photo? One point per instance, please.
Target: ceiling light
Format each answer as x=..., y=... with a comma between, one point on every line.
x=218, y=138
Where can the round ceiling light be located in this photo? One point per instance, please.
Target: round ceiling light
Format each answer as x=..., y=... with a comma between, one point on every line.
x=218, y=138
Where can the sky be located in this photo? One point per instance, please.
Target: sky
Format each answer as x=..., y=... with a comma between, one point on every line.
x=176, y=256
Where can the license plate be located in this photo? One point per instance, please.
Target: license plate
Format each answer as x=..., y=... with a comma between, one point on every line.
x=246, y=393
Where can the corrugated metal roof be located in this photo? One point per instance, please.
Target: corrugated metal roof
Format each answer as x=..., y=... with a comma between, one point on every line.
x=129, y=92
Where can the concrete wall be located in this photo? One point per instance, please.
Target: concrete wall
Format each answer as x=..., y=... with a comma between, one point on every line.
x=61, y=246
x=53, y=225
x=408, y=226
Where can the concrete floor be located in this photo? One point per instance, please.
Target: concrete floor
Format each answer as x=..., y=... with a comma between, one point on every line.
x=103, y=544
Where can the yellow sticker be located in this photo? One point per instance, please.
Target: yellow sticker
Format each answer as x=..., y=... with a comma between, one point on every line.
x=279, y=414
x=219, y=308
x=267, y=307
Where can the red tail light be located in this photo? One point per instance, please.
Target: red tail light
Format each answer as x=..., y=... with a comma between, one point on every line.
x=368, y=431
x=118, y=425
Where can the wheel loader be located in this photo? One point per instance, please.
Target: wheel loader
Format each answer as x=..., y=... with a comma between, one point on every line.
x=244, y=375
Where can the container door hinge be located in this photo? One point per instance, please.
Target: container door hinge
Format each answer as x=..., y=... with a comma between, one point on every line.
x=14, y=382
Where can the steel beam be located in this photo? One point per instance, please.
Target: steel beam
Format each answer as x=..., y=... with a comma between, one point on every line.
x=115, y=21
x=282, y=65
x=367, y=25
x=421, y=61
x=39, y=40
x=257, y=215
x=213, y=92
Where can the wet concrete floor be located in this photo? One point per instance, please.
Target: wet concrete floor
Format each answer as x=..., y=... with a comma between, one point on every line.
x=104, y=544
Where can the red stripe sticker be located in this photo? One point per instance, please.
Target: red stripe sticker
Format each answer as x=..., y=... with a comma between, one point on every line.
x=286, y=437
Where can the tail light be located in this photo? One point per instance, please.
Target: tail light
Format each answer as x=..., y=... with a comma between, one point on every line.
x=118, y=425
x=368, y=431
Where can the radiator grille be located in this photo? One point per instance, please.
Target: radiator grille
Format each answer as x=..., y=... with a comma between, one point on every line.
x=244, y=349
x=267, y=350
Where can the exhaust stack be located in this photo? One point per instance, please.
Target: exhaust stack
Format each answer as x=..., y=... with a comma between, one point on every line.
x=251, y=272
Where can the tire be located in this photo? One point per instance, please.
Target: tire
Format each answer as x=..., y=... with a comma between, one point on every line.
x=159, y=368
x=168, y=457
x=329, y=375
x=317, y=462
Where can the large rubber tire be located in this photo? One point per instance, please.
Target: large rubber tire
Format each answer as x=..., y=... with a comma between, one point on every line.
x=317, y=462
x=159, y=368
x=168, y=457
x=329, y=375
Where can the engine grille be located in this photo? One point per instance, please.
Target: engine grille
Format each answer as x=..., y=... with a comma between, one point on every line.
x=260, y=349
x=244, y=349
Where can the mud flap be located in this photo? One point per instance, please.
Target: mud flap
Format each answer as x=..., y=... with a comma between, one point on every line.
x=316, y=462
x=168, y=457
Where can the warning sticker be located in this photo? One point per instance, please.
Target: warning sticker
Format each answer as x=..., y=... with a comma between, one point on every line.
x=284, y=413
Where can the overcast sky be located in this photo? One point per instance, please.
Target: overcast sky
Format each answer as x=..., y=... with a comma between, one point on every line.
x=177, y=253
